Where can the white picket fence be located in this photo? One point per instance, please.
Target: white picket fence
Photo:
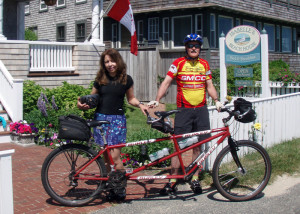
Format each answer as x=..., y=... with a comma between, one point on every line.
x=51, y=56
x=277, y=88
x=278, y=116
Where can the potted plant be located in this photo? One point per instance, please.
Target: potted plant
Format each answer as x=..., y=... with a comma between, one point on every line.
x=23, y=132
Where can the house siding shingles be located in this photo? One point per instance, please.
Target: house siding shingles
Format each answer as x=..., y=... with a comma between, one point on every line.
x=47, y=21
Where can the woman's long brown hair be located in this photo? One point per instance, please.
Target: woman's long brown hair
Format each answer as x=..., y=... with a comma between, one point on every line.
x=102, y=74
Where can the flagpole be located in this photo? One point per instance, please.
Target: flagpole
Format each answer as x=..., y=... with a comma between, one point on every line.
x=111, y=3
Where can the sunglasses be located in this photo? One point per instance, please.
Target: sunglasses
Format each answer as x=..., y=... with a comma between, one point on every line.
x=193, y=46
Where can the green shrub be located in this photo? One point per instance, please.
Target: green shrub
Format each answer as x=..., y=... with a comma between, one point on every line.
x=30, y=35
x=278, y=71
x=146, y=133
x=31, y=93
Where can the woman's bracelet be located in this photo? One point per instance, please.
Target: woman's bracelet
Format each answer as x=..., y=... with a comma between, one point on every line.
x=140, y=103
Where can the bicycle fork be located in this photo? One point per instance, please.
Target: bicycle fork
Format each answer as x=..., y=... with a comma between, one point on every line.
x=233, y=149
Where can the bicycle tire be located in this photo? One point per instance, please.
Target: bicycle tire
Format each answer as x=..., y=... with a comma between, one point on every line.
x=57, y=171
x=231, y=182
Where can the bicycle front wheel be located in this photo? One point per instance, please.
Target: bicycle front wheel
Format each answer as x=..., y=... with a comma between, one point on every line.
x=58, y=172
x=240, y=184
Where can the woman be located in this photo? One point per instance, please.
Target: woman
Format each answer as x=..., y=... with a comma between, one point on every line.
x=112, y=84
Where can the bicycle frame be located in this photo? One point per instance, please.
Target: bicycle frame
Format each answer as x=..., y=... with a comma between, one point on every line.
x=221, y=132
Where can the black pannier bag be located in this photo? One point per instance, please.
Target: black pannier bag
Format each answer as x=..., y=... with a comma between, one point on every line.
x=247, y=114
x=162, y=126
x=73, y=127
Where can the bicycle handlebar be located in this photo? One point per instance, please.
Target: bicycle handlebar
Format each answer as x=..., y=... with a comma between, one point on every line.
x=165, y=114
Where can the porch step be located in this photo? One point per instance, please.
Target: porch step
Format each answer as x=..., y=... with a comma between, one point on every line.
x=5, y=137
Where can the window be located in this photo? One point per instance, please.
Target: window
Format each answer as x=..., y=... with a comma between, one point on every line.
x=286, y=39
x=80, y=1
x=199, y=24
x=27, y=11
x=166, y=33
x=60, y=3
x=114, y=35
x=153, y=28
x=182, y=26
x=294, y=40
x=225, y=24
x=271, y=34
x=278, y=36
x=61, y=32
x=237, y=22
x=212, y=41
x=43, y=6
x=80, y=31
x=247, y=22
x=140, y=30
x=259, y=26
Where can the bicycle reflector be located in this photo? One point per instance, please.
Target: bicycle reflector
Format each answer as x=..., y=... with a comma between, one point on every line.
x=247, y=114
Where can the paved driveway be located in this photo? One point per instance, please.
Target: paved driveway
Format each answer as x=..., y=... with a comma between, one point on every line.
x=211, y=202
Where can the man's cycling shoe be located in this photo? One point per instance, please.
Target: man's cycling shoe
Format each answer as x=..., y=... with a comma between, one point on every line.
x=169, y=188
x=116, y=194
x=120, y=194
x=196, y=187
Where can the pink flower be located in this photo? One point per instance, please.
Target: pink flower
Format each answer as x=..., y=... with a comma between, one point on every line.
x=50, y=125
x=51, y=143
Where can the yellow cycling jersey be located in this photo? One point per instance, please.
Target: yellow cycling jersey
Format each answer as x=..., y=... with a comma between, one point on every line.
x=191, y=79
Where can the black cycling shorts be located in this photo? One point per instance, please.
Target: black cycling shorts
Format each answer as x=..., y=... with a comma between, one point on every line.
x=192, y=120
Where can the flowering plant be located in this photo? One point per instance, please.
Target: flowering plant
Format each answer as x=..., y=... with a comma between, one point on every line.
x=254, y=128
x=129, y=162
x=22, y=127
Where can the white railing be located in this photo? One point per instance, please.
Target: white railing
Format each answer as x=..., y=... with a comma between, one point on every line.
x=279, y=118
x=277, y=88
x=6, y=187
x=51, y=56
x=11, y=94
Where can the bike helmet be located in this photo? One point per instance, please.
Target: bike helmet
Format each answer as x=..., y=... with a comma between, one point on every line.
x=193, y=37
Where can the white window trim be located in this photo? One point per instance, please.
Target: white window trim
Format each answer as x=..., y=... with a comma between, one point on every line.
x=164, y=32
x=27, y=8
x=43, y=9
x=115, y=25
x=196, y=24
x=80, y=1
x=61, y=5
x=172, y=26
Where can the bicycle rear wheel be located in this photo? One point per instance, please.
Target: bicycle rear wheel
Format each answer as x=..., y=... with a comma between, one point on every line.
x=58, y=175
x=234, y=183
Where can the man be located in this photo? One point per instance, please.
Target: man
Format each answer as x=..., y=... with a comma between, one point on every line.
x=193, y=77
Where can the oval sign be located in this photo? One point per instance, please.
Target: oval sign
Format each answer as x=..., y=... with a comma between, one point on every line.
x=242, y=39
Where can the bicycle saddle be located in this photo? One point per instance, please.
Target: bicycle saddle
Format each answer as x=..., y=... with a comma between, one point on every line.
x=164, y=114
